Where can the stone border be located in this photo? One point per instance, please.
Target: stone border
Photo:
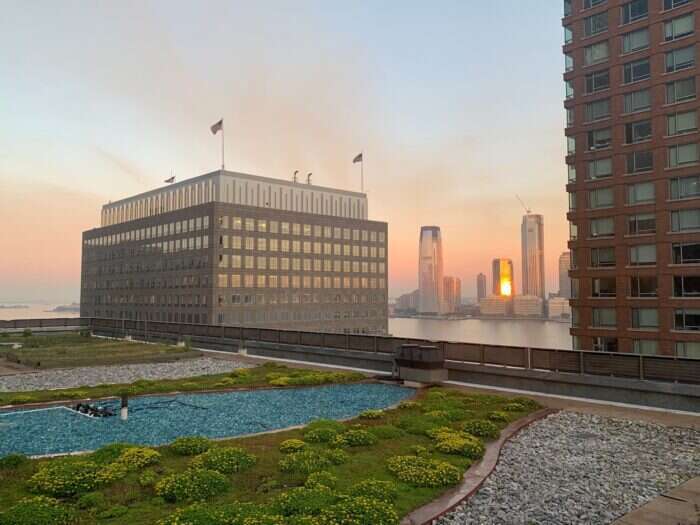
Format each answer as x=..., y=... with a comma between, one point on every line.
x=475, y=476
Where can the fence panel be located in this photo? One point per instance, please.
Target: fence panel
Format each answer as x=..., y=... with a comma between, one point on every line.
x=361, y=342
x=310, y=339
x=505, y=355
x=251, y=334
x=289, y=337
x=334, y=340
x=463, y=352
x=269, y=335
x=657, y=368
x=618, y=365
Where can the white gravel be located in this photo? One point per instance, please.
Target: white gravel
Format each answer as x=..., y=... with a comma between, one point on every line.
x=98, y=375
x=575, y=468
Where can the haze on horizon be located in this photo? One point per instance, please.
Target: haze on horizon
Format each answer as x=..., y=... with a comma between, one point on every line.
x=457, y=107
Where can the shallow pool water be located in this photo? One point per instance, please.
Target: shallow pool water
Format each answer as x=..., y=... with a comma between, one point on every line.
x=157, y=420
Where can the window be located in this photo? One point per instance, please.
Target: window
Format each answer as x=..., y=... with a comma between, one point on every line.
x=643, y=255
x=587, y=4
x=671, y=4
x=637, y=101
x=605, y=344
x=597, y=110
x=641, y=223
x=573, y=231
x=686, y=253
x=686, y=286
x=599, y=169
x=633, y=11
x=685, y=187
x=636, y=71
x=568, y=62
x=645, y=318
x=601, y=198
x=568, y=35
x=569, y=116
x=567, y=7
x=604, y=287
x=597, y=81
x=595, y=24
x=571, y=177
x=680, y=90
x=684, y=220
x=682, y=154
x=687, y=319
x=596, y=53
x=679, y=123
x=604, y=227
x=678, y=59
x=603, y=257
x=644, y=286
x=570, y=145
x=640, y=193
x=645, y=346
x=688, y=349
x=572, y=201
x=599, y=138
x=679, y=27
x=604, y=317
x=637, y=131
x=640, y=161
x=635, y=40
x=569, y=91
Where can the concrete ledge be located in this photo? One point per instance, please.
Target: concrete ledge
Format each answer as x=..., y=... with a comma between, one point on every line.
x=475, y=475
x=676, y=396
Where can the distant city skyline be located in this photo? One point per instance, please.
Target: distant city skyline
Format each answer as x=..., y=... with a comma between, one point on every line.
x=431, y=299
x=532, y=261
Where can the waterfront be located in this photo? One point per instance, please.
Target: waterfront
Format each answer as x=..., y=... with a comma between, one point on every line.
x=32, y=311
x=517, y=332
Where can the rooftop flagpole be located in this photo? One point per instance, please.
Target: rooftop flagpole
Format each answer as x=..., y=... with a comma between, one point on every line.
x=219, y=126
x=360, y=158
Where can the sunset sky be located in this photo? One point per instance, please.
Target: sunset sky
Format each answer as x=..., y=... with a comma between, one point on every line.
x=457, y=106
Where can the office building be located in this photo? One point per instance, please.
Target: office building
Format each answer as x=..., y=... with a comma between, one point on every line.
x=532, y=242
x=496, y=306
x=452, y=290
x=502, y=273
x=564, y=281
x=634, y=187
x=559, y=308
x=528, y=306
x=236, y=249
x=480, y=287
x=408, y=303
x=430, y=273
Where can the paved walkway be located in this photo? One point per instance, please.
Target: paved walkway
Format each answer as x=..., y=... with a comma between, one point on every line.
x=681, y=506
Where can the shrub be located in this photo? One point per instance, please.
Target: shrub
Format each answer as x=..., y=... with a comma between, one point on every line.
x=38, y=510
x=437, y=414
x=371, y=414
x=436, y=394
x=423, y=472
x=192, y=485
x=408, y=404
x=138, y=457
x=359, y=511
x=26, y=332
x=481, y=428
x=441, y=432
x=291, y=445
x=375, y=489
x=13, y=461
x=190, y=445
x=526, y=402
x=321, y=478
x=320, y=435
x=109, y=453
x=308, y=461
x=418, y=424
x=464, y=445
x=324, y=423
x=514, y=407
x=386, y=431
x=355, y=437
x=63, y=478
x=91, y=500
x=148, y=478
x=236, y=513
x=21, y=399
x=114, y=511
x=227, y=460
x=419, y=450
x=498, y=416
x=303, y=500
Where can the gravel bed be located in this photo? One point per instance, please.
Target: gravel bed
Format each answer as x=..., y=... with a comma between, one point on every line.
x=98, y=375
x=575, y=468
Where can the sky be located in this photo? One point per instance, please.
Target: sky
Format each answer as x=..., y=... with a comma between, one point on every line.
x=457, y=107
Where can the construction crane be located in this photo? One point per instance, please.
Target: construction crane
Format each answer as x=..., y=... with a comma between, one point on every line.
x=527, y=210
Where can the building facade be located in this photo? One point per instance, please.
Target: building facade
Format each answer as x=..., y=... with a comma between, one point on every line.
x=430, y=271
x=452, y=289
x=564, y=280
x=408, y=303
x=633, y=174
x=237, y=249
x=502, y=274
x=532, y=242
x=528, y=306
x=480, y=286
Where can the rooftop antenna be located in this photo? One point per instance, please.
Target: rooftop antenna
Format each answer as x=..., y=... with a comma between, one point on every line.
x=527, y=210
x=294, y=179
x=308, y=178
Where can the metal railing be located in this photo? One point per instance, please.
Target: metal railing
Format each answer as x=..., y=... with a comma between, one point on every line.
x=622, y=365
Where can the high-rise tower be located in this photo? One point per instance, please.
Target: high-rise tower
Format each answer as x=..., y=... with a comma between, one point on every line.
x=532, y=239
x=503, y=282
x=564, y=281
x=430, y=273
x=480, y=286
